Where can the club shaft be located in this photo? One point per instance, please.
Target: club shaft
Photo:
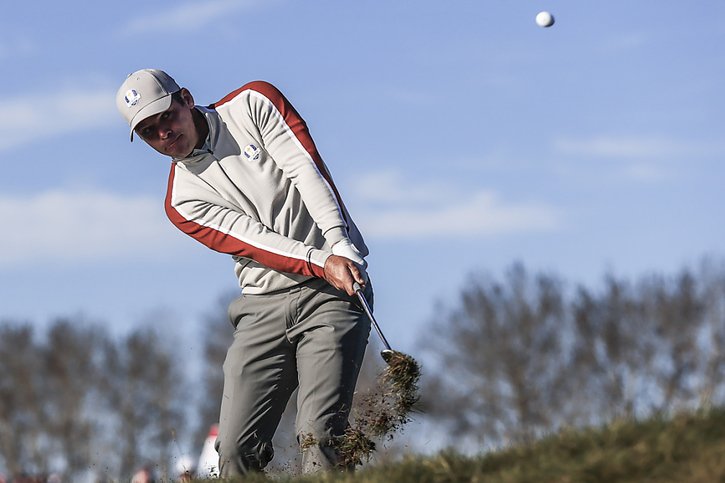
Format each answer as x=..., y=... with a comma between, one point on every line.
x=370, y=315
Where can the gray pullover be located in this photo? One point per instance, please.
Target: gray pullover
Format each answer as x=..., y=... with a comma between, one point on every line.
x=259, y=191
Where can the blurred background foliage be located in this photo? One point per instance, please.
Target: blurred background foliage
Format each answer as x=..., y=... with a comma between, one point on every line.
x=508, y=361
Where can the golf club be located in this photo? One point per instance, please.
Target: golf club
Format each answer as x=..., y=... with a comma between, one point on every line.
x=386, y=353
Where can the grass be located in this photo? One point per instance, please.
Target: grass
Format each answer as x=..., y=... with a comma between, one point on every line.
x=685, y=448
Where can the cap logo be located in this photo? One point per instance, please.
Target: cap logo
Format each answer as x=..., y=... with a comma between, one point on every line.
x=132, y=97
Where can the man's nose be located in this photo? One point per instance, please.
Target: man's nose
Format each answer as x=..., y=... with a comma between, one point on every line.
x=164, y=132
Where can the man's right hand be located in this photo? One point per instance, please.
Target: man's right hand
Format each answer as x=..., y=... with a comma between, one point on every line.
x=345, y=248
x=341, y=273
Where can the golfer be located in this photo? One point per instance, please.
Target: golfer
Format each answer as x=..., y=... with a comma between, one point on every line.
x=246, y=180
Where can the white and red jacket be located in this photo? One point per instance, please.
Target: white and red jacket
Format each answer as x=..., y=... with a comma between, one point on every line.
x=259, y=191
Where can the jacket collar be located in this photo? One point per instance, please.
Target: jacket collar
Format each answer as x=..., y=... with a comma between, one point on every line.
x=214, y=122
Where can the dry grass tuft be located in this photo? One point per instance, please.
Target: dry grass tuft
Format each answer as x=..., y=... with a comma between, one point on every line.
x=402, y=375
x=382, y=413
x=353, y=447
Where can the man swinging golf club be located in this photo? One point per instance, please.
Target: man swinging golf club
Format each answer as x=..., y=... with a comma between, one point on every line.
x=247, y=180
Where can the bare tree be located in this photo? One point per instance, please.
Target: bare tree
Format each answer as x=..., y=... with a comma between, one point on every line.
x=676, y=310
x=70, y=372
x=144, y=390
x=20, y=425
x=712, y=384
x=77, y=400
x=518, y=359
x=615, y=344
x=502, y=358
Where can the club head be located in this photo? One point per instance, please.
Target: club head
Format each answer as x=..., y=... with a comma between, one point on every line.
x=387, y=354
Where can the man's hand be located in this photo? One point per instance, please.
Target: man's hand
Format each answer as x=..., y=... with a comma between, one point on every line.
x=345, y=248
x=341, y=273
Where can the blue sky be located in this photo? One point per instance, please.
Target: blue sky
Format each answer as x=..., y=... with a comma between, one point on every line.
x=462, y=136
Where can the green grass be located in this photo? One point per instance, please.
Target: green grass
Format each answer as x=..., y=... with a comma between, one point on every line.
x=686, y=448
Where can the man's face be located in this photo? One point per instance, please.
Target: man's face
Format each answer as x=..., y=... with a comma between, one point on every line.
x=171, y=132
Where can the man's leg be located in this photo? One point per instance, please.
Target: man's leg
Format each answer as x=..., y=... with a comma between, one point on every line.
x=259, y=377
x=331, y=336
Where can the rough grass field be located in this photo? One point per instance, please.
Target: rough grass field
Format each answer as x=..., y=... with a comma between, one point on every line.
x=685, y=448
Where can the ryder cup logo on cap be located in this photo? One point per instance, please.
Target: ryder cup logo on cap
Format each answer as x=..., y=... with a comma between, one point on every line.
x=132, y=97
x=143, y=94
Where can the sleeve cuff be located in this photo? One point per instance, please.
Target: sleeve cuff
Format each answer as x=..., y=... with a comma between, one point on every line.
x=335, y=234
x=316, y=261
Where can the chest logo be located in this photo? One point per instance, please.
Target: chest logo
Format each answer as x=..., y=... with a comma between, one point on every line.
x=251, y=152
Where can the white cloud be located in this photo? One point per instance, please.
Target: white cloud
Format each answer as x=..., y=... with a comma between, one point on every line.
x=60, y=226
x=482, y=214
x=186, y=17
x=392, y=208
x=633, y=147
x=615, y=147
x=390, y=187
x=32, y=117
x=646, y=172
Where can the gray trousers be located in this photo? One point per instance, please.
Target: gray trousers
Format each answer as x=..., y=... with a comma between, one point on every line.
x=312, y=336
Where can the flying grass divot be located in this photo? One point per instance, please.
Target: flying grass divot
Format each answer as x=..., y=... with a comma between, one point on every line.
x=382, y=412
x=403, y=374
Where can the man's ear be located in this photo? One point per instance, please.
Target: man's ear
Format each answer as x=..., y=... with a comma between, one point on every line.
x=187, y=97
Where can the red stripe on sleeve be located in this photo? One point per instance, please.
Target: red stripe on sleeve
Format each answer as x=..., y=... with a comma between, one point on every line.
x=224, y=243
x=294, y=121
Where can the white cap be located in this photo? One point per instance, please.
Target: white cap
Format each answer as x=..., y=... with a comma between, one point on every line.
x=143, y=94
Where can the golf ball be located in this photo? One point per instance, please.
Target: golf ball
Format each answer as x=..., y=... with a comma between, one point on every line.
x=544, y=19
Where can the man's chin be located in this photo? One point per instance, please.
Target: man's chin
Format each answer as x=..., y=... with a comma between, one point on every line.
x=178, y=152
